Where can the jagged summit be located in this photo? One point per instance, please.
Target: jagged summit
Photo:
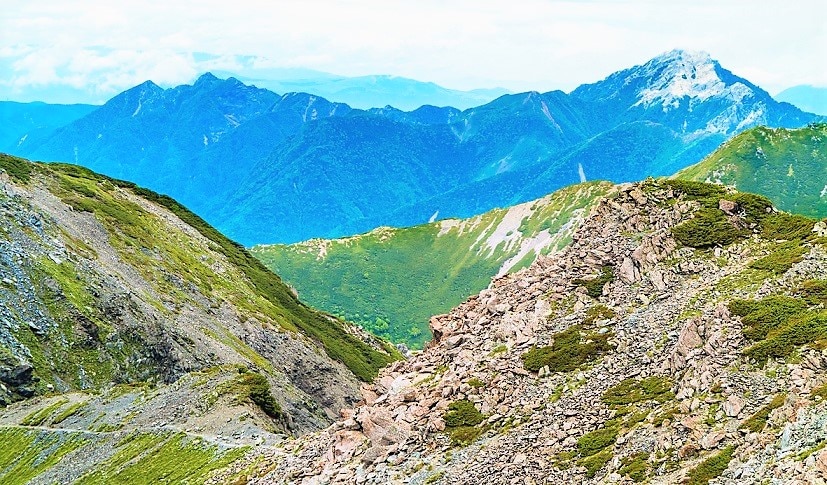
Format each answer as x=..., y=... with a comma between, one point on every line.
x=206, y=79
x=678, y=74
x=668, y=79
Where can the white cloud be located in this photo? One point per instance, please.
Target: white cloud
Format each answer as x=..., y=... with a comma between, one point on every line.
x=531, y=44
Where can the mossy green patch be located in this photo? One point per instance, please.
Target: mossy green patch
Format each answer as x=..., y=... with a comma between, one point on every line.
x=782, y=258
x=568, y=351
x=760, y=317
x=595, y=441
x=709, y=227
x=598, y=312
x=779, y=324
x=808, y=328
x=814, y=292
x=693, y=190
x=18, y=169
x=68, y=412
x=786, y=226
x=632, y=391
x=594, y=286
x=596, y=462
x=462, y=422
x=252, y=387
x=635, y=466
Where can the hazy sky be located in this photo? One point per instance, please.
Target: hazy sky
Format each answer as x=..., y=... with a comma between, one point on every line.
x=517, y=44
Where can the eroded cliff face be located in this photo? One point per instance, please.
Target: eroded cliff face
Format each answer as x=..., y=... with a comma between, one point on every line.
x=629, y=356
x=101, y=285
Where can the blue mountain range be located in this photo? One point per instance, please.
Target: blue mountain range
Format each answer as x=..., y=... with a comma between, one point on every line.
x=266, y=168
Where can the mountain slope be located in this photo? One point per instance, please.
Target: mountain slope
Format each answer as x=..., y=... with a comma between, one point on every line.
x=18, y=121
x=809, y=98
x=391, y=281
x=629, y=356
x=105, y=283
x=788, y=166
x=264, y=168
x=195, y=142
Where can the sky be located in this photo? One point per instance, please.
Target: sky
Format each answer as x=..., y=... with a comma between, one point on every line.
x=98, y=48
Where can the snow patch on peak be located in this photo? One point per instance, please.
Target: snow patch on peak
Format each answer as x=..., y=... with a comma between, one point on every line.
x=678, y=74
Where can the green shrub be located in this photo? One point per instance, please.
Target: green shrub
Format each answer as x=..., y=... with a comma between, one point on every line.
x=596, y=441
x=19, y=170
x=594, y=286
x=631, y=391
x=254, y=387
x=813, y=291
x=635, y=466
x=461, y=422
x=696, y=190
x=820, y=391
x=595, y=462
x=568, y=351
x=710, y=468
x=464, y=435
x=597, y=313
x=781, y=342
x=758, y=421
x=708, y=228
x=667, y=414
x=462, y=413
x=759, y=317
x=756, y=207
x=475, y=382
x=786, y=226
x=781, y=259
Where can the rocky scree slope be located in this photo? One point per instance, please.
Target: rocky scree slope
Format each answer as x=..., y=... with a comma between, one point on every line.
x=682, y=336
x=105, y=283
x=392, y=280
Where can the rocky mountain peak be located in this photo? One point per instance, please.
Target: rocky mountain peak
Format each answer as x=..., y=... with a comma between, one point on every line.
x=677, y=74
x=206, y=79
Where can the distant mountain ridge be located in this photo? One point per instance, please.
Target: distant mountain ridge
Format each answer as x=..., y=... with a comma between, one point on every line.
x=808, y=98
x=365, y=92
x=264, y=168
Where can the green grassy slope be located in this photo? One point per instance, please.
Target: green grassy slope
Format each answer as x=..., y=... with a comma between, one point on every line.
x=392, y=281
x=788, y=166
x=165, y=256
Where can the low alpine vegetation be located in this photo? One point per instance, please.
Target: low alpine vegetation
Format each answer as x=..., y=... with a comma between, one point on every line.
x=568, y=351
x=462, y=422
x=633, y=391
x=594, y=286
